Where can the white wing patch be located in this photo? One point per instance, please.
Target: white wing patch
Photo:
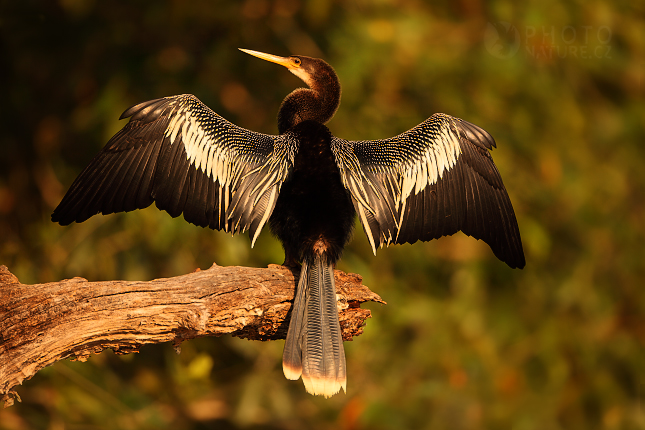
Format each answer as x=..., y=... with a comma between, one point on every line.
x=439, y=156
x=209, y=149
x=202, y=151
x=417, y=159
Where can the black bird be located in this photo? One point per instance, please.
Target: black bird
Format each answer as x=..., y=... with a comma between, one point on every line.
x=430, y=181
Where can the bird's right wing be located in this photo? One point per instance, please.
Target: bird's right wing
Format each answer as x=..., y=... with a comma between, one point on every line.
x=180, y=154
x=431, y=181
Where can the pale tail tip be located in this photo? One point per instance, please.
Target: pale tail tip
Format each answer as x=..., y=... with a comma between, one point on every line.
x=324, y=387
x=291, y=373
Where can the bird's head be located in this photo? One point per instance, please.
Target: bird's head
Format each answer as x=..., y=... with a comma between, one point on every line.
x=319, y=103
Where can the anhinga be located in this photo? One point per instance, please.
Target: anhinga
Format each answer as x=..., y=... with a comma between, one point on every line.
x=430, y=181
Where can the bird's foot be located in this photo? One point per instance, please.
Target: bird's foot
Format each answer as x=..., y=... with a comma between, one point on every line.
x=291, y=262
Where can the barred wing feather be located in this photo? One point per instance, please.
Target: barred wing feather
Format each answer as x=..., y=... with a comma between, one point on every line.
x=180, y=154
x=431, y=181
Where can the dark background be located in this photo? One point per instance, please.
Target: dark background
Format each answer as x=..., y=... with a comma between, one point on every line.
x=464, y=342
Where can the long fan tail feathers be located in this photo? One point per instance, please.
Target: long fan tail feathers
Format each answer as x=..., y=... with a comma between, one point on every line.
x=314, y=345
x=292, y=355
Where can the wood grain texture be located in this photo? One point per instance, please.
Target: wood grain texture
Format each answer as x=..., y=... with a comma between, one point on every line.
x=43, y=323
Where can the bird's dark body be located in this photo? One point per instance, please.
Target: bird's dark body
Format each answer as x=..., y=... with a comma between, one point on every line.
x=314, y=212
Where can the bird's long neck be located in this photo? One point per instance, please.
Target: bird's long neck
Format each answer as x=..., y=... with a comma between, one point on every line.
x=319, y=102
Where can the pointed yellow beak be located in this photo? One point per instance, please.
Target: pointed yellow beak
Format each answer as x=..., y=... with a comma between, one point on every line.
x=288, y=62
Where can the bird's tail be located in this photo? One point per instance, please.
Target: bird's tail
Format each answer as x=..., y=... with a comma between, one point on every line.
x=314, y=346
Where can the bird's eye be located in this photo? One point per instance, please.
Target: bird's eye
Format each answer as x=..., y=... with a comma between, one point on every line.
x=296, y=61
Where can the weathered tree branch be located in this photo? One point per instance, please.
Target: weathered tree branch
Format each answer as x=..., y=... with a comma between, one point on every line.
x=44, y=323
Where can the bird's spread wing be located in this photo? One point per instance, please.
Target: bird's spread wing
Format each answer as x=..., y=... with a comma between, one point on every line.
x=177, y=152
x=431, y=181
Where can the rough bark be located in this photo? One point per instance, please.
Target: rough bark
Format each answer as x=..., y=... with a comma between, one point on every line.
x=44, y=323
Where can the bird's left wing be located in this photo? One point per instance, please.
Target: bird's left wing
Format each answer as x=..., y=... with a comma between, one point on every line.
x=177, y=152
x=431, y=181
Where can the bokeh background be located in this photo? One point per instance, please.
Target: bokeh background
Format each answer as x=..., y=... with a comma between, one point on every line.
x=464, y=342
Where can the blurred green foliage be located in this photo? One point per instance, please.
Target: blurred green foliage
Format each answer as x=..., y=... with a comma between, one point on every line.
x=464, y=342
